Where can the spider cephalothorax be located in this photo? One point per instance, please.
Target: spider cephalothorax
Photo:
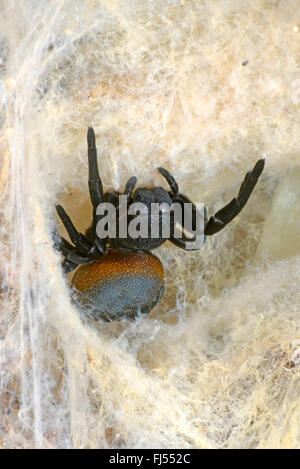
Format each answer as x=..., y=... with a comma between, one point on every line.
x=119, y=278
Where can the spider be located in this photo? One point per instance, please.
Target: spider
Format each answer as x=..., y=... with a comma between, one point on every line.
x=119, y=278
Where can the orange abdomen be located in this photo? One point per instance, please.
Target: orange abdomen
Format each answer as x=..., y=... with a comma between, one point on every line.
x=120, y=285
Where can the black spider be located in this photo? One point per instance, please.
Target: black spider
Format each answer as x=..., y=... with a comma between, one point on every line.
x=104, y=281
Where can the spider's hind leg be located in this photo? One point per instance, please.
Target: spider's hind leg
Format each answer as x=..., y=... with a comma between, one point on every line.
x=218, y=221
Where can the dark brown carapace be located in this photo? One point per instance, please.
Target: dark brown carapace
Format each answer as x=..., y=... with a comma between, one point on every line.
x=120, y=285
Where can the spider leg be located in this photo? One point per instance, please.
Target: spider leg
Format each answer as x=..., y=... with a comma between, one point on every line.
x=191, y=222
x=130, y=186
x=76, y=258
x=73, y=254
x=170, y=180
x=95, y=188
x=188, y=217
x=90, y=247
x=230, y=211
x=62, y=245
x=95, y=184
x=98, y=243
x=73, y=257
x=68, y=266
x=77, y=238
x=185, y=243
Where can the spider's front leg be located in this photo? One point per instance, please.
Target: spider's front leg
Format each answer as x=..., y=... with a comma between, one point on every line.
x=218, y=221
x=224, y=216
x=91, y=247
x=188, y=217
x=95, y=188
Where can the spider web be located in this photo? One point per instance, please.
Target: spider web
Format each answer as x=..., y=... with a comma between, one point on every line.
x=216, y=363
